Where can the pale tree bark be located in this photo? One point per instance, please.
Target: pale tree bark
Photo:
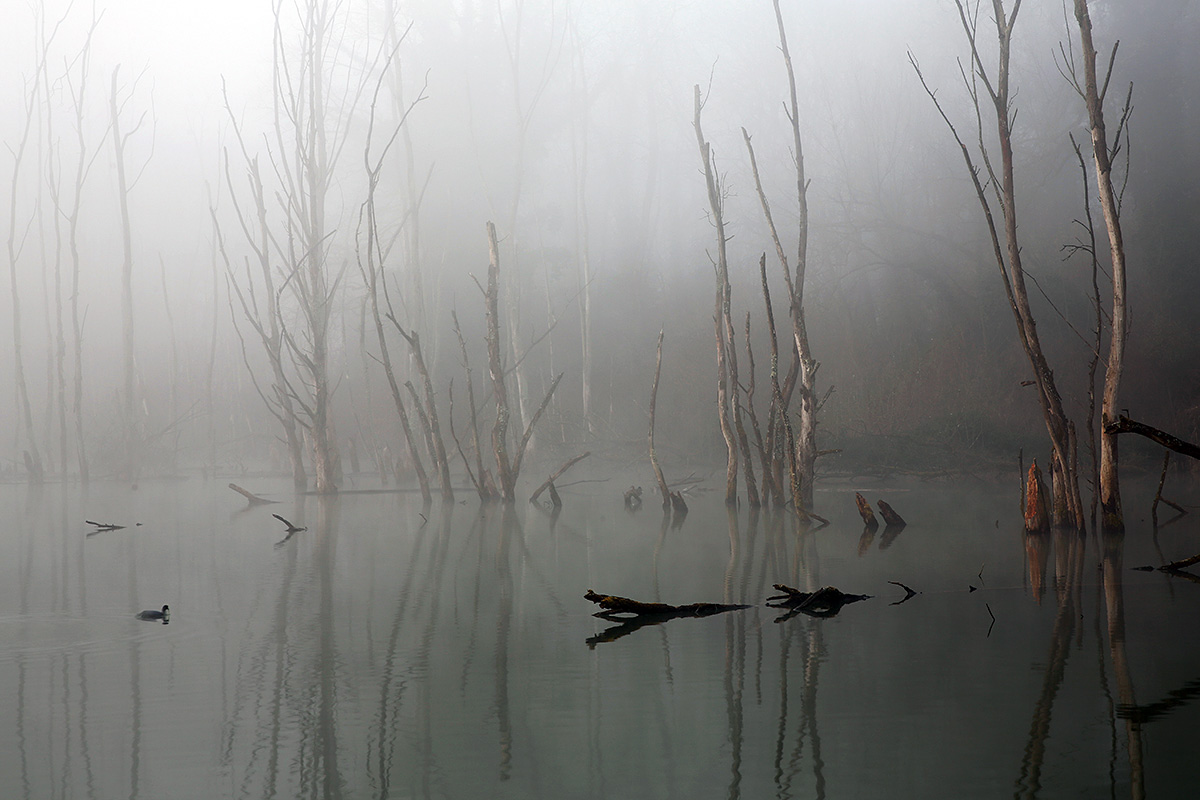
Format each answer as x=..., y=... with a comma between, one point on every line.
x=261, y=313
x=1112, y=516
x=131, y=427
x=496, y=369
x=15, y=243
x=508, y=464
x=371, y=265
x=663, y=489
x=580, y=126
x=722, y=304
x=806, y=442
x=85, y=157
x=994, y=90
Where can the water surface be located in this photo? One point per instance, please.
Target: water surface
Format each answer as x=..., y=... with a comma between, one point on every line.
x=395, y=651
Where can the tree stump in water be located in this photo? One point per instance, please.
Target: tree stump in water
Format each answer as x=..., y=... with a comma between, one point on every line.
x=864, y=510
x=890, y=517
x=1037, y=517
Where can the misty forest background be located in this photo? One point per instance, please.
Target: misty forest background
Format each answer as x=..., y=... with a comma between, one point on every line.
x=568, y=125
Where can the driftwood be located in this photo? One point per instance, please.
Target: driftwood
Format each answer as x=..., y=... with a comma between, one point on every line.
x=890, y=517
x=864, y=510
x=615, y=607
x=290, y=527
x=1175, y=567
x=824, y=602
x=549, y=484
x=104, y=526
x=254, y=499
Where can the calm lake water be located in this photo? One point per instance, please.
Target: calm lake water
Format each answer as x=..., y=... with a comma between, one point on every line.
x=390, y=651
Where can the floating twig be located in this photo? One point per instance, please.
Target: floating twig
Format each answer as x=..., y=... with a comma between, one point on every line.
x=104, y=526
x=908, y=592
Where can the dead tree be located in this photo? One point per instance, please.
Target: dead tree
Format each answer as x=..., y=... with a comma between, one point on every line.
x=130, y=416
x=721, y=313
x=508, y=466
x=85, y=156
x=658, y=473
x=372, y=254
x=1093, y=94
x=805, y=445
x=992, y=89
x=15, y=244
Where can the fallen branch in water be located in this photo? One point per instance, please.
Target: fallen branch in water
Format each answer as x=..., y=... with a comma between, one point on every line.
x=254, y=499
x=549, y=484
x=824, y=602
x=104, y=526
x=908, y=593
x=615, y=606
x=290, y=527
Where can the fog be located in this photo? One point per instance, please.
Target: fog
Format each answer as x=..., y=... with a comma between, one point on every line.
x=569, y=126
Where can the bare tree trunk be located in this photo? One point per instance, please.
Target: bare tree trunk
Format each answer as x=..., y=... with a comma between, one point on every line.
x=437, y=443
x=658, y=473
x=33, y=457
x=131, y=428
x=496, y=369
x=83, y=164
x=722, y=312
x=484, y=484
x=1067, y=505
x=1110, y=490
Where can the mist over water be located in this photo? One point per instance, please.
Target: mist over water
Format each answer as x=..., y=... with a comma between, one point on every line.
x=386, y=264
x=394, y=650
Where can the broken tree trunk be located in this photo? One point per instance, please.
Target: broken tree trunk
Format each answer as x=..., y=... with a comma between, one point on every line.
x=1037, y=520
x=864, y=511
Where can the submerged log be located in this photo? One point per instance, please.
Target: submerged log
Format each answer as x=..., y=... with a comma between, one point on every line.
x=254, y=499
x=864, y=510
x=890, y=517
x=824, y=602
x=615, y=606
x=1037, y=517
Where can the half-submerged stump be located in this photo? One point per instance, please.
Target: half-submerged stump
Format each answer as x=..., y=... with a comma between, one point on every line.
x=633, y=498
x=824, y=602
x=890, y=517
x=1037, y=517
x=864, y=510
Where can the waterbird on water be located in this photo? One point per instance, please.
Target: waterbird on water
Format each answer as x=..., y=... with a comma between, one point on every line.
x=164, y=615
